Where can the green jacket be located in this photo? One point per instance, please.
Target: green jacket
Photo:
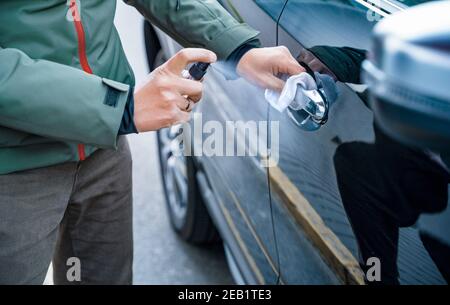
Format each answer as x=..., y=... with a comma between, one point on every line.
x=59, y=57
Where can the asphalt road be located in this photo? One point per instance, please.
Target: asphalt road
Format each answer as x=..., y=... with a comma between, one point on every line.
x=160, y=257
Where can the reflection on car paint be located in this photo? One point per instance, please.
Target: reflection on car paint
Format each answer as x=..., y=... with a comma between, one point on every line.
x=367, y=177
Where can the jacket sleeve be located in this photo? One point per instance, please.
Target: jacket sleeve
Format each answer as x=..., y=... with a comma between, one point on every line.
x=197, y=23
x=57, y=101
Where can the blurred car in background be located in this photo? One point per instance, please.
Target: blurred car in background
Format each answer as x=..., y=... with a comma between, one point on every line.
x=287, y=223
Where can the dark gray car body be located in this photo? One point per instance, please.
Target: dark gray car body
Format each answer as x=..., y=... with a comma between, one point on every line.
x=286, y=224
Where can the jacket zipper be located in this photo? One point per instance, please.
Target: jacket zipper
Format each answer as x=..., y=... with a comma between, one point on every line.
x=76, y=14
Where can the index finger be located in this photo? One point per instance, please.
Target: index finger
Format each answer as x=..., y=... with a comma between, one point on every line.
x=291, y=67
x=179, y=61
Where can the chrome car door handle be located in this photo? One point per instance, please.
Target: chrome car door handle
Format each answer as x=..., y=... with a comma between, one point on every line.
x=317, y=106
x=314, y=113
x=310, y=108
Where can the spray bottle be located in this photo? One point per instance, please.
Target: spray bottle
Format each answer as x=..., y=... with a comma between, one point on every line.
x=197, y=71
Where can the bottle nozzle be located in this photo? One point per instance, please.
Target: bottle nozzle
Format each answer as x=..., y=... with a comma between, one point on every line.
x=198, y=70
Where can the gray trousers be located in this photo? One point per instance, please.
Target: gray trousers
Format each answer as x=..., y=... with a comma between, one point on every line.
x=74, y=210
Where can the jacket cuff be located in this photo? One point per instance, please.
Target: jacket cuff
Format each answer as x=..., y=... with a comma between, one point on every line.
x=127, y=126
x=116, y=96
x=235, y=37
x=235, y=57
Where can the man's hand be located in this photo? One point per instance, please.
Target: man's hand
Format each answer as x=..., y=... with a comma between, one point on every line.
x=261, y=66
x=166, y=98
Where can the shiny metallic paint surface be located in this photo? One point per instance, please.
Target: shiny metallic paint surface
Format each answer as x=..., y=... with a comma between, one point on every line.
x=233, y=177
x=306, y=158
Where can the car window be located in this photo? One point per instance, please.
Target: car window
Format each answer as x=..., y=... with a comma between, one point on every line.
x=272, y=7
x=337, y=22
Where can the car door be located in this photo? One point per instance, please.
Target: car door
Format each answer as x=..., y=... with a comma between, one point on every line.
x=239, y=181
x=315, y=241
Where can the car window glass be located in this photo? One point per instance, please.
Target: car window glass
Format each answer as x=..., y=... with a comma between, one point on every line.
x=335, y=23
x=272, y=7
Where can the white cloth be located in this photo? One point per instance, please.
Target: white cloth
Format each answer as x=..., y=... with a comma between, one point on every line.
x=289, y=96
